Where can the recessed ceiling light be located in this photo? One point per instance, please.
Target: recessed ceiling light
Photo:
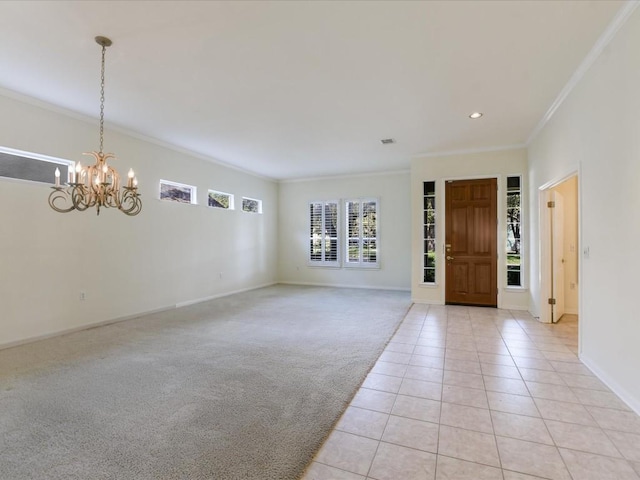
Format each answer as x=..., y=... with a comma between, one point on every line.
x=386, y=141
x=475, y=115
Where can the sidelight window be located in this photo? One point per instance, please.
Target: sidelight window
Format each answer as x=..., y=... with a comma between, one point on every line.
x=429, y=262
x=514, y=232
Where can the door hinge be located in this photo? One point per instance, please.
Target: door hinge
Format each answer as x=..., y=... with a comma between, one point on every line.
x=551, y=204
x=552, y=301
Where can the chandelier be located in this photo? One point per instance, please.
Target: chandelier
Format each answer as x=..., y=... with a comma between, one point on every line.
x=96, y=185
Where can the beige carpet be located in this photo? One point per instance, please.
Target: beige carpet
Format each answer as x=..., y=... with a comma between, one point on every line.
x=242, y=387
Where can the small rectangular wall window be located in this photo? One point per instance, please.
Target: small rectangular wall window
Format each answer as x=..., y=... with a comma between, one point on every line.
x=323, y=234
x=220, y=200
x=32, y=166
x=251, y=205
x=514, y=232
x=429, y=227
x=177, y=192
x=362, y=241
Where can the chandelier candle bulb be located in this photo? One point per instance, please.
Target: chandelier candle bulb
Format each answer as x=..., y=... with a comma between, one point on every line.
x=57, y=174
x=130, y=175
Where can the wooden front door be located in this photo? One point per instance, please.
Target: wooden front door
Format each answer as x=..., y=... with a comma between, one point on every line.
x=471, y=255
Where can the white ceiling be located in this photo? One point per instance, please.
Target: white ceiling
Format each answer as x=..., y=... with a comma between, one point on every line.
x=301, y=89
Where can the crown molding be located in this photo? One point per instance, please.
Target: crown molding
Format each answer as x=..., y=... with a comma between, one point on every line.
x=345, y=176
x=124, y=131
x=610, y=32
x=450, y=153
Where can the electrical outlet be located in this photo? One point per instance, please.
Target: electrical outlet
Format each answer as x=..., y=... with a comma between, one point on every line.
x=83, y=296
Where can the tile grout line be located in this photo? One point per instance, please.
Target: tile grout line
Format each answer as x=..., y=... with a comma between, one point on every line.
x=444, y=364
x=495, y=436
x=545, y=420
x=545, y=423
x=375, y=454
x=565, y=384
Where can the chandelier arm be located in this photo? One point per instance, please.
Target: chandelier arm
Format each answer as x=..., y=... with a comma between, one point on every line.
x=112, y=188
x=111, y=198
x=60, y=194
x=79, y=198
x=130, y=204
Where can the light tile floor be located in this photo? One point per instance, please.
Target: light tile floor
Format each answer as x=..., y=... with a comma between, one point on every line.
x=477, y=393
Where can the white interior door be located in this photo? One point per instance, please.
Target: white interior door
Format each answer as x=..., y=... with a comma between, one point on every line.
x=557, y=256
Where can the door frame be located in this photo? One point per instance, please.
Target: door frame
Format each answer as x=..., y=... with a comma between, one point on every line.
x=544, y=243
x=501, y=238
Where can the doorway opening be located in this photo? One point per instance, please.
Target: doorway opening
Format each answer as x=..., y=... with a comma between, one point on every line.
x=559, y=258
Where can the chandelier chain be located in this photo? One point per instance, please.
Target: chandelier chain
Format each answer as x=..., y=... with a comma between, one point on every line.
x=104, y=48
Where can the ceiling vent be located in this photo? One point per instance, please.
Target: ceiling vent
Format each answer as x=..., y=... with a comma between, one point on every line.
x=386, y=141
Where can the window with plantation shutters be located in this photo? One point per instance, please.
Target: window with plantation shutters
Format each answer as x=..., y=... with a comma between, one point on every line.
x=323, y=234
x=361, y=227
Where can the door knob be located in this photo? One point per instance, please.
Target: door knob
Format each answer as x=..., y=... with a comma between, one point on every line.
x=449, y=258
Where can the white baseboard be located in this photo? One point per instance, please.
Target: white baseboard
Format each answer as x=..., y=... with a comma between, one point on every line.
x=102, y=323
x=220, y=295
x=520, y=308
x=503, y=307
x=339, y=285
x=426, y=302
x=85, y=326
x=620, y=391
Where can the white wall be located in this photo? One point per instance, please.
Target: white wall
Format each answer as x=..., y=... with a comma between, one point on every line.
x=597, y=130
x=392, y=191
x=169, y=254
x=500, y=164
